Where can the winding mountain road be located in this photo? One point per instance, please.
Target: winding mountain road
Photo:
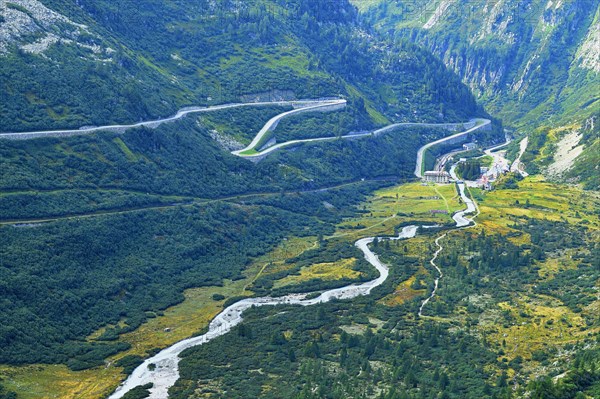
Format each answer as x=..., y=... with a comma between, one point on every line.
x=259, y=155
x=300, y=104
x=329, y=105
x=476, y=124
x=251, y=151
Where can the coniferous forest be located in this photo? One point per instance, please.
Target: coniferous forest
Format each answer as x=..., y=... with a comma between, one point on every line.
x=116, y=244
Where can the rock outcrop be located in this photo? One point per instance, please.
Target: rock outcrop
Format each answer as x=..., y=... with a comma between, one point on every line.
x=34, y=28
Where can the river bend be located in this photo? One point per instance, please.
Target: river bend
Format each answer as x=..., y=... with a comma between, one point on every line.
x=166, y=371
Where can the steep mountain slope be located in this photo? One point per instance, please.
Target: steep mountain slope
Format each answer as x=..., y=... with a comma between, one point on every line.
x=534, y=63
x=70, y=64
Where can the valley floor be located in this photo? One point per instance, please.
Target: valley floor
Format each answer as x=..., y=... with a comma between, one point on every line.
x=520, y=324
x=501, y=291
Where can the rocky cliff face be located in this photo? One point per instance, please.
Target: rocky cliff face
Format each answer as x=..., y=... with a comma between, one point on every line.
x=589, y=52
x=516, y=55
x=534, y=63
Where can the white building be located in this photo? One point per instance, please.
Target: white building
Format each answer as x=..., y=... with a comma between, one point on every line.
x=437, y=177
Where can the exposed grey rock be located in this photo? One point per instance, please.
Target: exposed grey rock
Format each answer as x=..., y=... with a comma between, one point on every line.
x=34, y=28
x=589, y=52
x=225, y=141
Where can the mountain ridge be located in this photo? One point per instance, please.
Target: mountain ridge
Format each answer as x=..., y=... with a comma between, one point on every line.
x=534, y=64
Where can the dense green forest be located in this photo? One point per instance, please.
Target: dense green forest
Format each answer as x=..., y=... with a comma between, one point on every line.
x=311, y=351
x=470, y=170
x=134, y=263
x=4, y=394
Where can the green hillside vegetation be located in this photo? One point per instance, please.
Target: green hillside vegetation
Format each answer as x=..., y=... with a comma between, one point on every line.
x=511, y=313
x=583, y=169
x=170, y=55
x=108, y=239
x=241, y=124
x=556, y=89
x=179, y=164
x=534, y=66
x=543, y=145
x=158, y=252
x=42, y=94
